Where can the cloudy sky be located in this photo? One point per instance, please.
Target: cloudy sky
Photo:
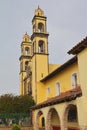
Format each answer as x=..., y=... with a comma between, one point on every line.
x=66, y=24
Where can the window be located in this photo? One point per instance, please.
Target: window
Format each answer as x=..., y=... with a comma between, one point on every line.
x=41, y=46
x=26, y=65
x=40, y=27
x=48, y=92
x=27, y=50
x=57, y=88
x=74, y=79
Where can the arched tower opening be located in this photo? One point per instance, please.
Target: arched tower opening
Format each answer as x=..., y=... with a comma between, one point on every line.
x=26, y=65
x=40, y=27
x=27, y=50
x=41, y=47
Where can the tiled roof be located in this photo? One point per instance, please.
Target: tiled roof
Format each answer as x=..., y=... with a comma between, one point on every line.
x=79, y=47
x=61, y=68
x=63, y=97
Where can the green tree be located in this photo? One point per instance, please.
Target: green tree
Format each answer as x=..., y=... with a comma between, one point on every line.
x=15, y=104
x=16, y=127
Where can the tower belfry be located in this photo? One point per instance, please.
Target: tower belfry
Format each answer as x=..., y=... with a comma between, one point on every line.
x=40, y=43
x=25, y=61
x=40, y=49
x=34, y=55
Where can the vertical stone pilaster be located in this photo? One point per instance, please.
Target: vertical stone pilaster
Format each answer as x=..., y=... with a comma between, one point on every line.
x=83, y=128
x=34, y=121
x=63, y=127
x=63, y=124
x=48, y=122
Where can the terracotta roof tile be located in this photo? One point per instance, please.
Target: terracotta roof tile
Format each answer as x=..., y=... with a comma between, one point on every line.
x=79, y=47
x=63, y=97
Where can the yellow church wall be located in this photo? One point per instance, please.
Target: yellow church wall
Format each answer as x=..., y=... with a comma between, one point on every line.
x=21, y=84
x=52, y=67
x=82, y=63
x=22, y=76
x=40, y=70
x=82, y=111
x=82, y=102
x=65, y=80
x=41, y=92
x=41, y=66
x=34, y=78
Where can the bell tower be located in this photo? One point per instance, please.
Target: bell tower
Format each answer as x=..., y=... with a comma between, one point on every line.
x=40, y=49
x=34, y=56
x=25, y=61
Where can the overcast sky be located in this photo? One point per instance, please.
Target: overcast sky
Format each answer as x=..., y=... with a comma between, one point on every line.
x=66, y=24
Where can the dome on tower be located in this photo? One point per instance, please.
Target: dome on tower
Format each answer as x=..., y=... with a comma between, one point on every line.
x=39, y=12
x=26, y=37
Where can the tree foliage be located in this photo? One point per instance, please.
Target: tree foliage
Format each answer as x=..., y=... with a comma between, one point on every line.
x=15, y=104
x=16, y=127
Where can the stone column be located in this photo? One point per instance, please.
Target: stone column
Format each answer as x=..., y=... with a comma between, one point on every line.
x=63, y=126
x=48, y=122
x=83, y=128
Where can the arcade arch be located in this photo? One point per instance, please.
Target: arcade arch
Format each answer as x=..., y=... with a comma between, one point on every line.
x=71, y=117
x=52, y=120
x=40, y=120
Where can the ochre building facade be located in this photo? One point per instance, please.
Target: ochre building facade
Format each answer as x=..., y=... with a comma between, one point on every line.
x=60, y=91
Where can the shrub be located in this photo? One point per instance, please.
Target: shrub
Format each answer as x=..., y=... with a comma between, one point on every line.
x=16, y=127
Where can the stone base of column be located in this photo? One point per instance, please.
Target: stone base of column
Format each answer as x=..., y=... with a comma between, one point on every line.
x=83, y=128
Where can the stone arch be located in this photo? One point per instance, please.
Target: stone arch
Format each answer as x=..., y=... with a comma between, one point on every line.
x=41, y=47
x=40, y=27
x=40, y=120
x=26, y=65
x=71, y=117
x=27, y=50
x=52, y=120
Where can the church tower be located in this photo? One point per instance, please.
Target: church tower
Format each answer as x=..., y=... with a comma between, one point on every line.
x=40, y=49
x=34, y=56
x=25, y=62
